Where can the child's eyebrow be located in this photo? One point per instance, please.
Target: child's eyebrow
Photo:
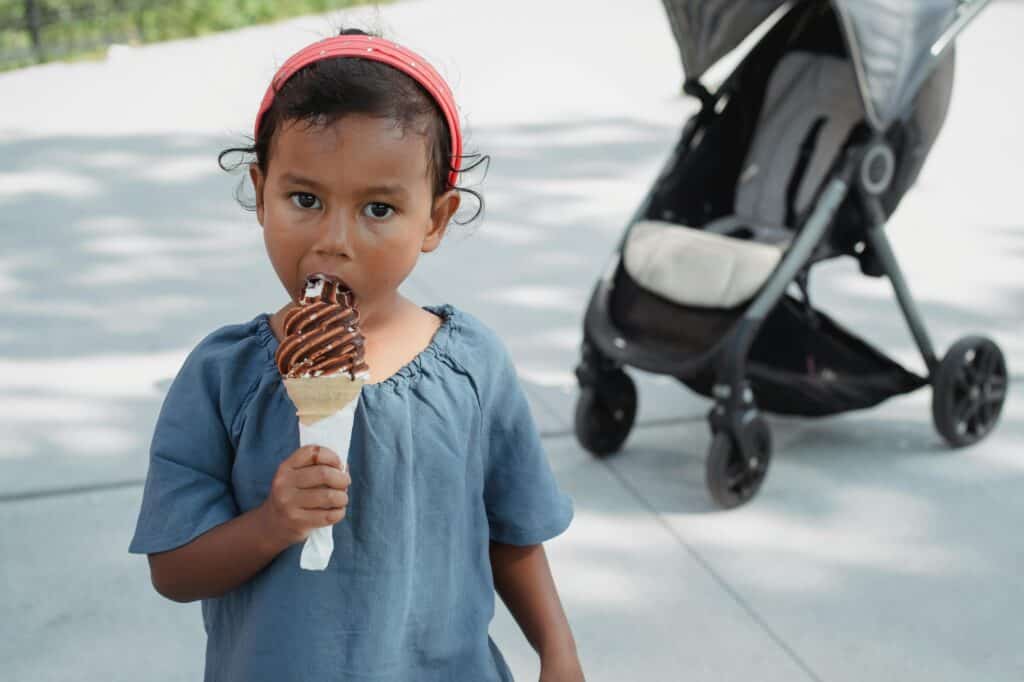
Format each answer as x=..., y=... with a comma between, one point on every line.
x=294, y=179
x=393, y=190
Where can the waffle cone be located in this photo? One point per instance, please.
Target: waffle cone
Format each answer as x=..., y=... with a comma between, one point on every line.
x=319, y=397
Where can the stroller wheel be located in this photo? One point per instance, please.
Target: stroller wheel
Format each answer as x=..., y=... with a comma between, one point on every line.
x=605, y=413
x=733, y=477
x=968, y=390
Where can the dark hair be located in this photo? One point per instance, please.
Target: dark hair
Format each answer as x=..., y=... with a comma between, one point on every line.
x=326, y=90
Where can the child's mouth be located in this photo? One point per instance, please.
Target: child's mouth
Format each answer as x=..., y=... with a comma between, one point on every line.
x=313, y=276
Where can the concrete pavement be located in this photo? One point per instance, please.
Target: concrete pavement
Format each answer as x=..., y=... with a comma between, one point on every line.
x=871, y=553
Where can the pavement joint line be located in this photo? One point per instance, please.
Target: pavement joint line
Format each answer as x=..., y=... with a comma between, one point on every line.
x=709, y=569
x=645, y=424
x=76, y=490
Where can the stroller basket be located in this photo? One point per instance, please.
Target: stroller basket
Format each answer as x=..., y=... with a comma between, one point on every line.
x=801, y=363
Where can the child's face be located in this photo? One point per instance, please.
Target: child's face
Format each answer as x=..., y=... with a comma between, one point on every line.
x=353, y=200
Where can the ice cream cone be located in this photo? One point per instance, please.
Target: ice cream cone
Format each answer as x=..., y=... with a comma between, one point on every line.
x=318, y=397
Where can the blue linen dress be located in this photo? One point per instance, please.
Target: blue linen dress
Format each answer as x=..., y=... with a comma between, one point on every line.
x=445, y=457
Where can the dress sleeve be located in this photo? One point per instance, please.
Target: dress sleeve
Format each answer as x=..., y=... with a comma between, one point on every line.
x=524, y=503
x=188, y=489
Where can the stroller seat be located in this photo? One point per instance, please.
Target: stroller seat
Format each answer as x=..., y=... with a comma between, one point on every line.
x=811, y=106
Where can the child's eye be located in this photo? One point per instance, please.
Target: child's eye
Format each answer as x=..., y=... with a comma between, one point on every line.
x=377, y=210
x=305, y=200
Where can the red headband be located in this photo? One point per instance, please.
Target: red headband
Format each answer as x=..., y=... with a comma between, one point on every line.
x=378, y=50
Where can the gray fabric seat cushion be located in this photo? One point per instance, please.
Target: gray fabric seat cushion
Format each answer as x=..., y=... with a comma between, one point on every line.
x=725, y=262
x=698, y=267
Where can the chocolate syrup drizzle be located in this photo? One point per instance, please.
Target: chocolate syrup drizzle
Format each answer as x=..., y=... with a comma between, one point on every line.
x=322, y=334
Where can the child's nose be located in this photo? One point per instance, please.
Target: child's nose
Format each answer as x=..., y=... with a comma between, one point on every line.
x=335, y=234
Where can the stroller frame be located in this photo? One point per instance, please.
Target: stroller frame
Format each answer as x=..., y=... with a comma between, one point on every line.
x=741, y=446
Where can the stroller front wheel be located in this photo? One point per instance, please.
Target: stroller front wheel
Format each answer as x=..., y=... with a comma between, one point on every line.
x=733, y=477
x=605, y=412
x=968, y=390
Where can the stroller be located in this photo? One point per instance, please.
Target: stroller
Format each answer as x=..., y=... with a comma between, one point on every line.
x=799, y=156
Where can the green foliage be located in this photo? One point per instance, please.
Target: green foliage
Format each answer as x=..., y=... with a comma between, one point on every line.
x=77, y=28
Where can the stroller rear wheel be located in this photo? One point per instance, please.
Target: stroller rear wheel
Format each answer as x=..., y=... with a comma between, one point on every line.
x=968, y=390
x=733, y=477
x=605, y=412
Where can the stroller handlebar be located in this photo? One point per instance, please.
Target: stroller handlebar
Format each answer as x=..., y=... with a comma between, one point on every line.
x=966, y=13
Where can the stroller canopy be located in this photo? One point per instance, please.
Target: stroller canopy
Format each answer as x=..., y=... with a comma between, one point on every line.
x=894, y=43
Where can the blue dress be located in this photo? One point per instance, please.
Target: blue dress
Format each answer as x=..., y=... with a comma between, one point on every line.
x=444, y=458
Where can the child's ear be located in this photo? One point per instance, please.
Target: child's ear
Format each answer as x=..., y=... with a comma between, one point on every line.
x=257, y=182
x=445, y=207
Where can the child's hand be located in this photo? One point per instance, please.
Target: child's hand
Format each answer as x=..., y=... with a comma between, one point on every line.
x=310, y=490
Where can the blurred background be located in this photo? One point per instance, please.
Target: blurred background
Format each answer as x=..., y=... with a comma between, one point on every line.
x=872, y=551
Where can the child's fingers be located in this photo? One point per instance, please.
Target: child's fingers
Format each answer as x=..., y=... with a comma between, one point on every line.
x=308, y=455
x=320, y=475
x=318, y=518
x=321, y=498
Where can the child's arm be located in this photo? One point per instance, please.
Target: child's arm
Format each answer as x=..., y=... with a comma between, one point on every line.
x=309, y=490
x=523, y=579
x=217, y=561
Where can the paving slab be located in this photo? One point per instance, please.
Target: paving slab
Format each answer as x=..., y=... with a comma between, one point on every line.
x=872, y=550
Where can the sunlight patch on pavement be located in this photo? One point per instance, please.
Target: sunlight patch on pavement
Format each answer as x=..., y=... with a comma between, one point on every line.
x=562, y=338
x=539, y=297
x=93, y=440
x=902, y=542
x=52, y=410
x=611, y=132
x=116, y=316
x=547, y=378
x=565, y=259
x=8, y=281
x=137, y=271
x=141, y=245
x=181, y=170
x=111, y=159
x=121, y=375
x=509, y=233
x=52, y=183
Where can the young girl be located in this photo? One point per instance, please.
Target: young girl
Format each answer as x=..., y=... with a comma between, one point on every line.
x=447, y=496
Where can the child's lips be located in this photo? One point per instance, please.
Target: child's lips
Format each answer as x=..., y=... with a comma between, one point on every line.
x=342, y=284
